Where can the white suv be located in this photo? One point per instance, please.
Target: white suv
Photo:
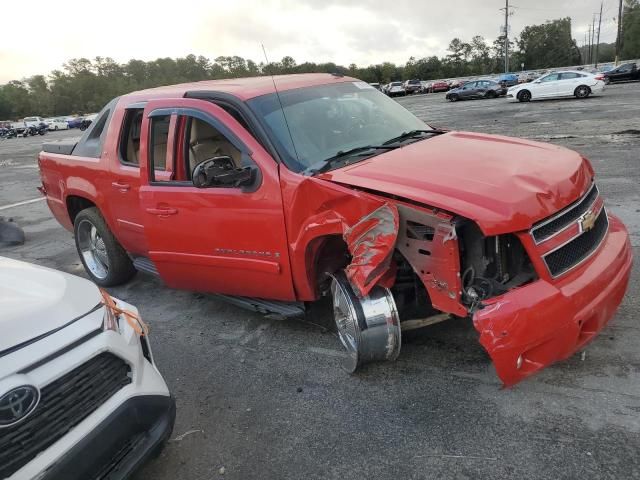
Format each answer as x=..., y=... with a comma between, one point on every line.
x=80, y=396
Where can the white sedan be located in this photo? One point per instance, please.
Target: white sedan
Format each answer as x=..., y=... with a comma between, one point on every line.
x=80, y=395
x=567, y=83
x=57, y=124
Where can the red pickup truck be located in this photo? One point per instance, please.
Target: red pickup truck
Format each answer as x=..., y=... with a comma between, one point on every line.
x=325, y=186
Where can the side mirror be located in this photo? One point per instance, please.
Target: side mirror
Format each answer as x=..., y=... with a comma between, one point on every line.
x=221, y=172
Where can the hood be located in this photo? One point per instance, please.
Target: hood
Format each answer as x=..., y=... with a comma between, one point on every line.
x=35, y=300
x=503, y=184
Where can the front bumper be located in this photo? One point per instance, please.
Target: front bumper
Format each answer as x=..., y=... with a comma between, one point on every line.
x=119, y=434
x=117, y=447
x=540, y=323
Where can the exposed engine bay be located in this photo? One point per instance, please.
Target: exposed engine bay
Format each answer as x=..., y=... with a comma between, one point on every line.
x=435, y=267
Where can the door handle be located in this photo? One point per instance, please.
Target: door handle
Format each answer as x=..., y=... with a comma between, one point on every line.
x=162, y=211
x=121, y=186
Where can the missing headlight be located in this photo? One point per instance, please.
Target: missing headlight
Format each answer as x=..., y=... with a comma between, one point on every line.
x=491, y=266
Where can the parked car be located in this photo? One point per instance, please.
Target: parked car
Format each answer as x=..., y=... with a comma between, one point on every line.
x=185, y=182
x=412, y=86
x=508, y=79
x=57, y=124
x=628, y=71
x=80, y=394
x=439, y=86
x=396, y=89
x=74, y=122
x=476, y=89
x=376, y=85
x=565, y=83
x=33, y=121
x=425, y=87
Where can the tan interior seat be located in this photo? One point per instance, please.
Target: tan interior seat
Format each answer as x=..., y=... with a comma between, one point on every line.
x=206, y=142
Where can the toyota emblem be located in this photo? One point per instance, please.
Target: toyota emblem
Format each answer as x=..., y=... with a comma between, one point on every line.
x=17, y=403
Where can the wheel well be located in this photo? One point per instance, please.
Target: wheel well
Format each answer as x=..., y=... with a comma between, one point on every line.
x=326, y=254
x=76, y=204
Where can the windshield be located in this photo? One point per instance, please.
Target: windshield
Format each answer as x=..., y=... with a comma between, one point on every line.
x=328, y=119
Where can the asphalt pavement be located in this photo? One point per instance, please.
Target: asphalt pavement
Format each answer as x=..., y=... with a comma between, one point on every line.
x=266, y=399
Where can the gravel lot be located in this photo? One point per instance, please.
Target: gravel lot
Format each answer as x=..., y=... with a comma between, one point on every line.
x=266, y=399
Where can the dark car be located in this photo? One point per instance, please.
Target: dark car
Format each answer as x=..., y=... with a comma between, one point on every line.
x=628, y=71
x=508, y=79
x=476, y=89
x=75, y=122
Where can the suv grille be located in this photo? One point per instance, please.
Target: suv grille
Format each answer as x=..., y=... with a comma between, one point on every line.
x=555, y=224
x=578, y=249
x=64, y=403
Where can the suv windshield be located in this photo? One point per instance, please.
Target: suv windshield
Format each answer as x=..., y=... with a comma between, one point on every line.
x=328, y=119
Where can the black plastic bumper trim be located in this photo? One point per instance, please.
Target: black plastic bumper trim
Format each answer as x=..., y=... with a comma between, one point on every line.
x=147, y=419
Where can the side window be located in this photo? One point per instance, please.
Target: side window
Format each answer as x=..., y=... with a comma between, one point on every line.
x=568, y=75
x=200, y=141
x=130, y=137
x=550, y=78
x=158, y=140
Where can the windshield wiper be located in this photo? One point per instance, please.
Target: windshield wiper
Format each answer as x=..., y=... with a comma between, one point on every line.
x=326, y=163
x=411, y=134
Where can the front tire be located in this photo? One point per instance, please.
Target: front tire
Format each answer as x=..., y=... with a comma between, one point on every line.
x=104, y=259
x=582, y=91
x=524, y=96
x=454, y=98
x=491, y=94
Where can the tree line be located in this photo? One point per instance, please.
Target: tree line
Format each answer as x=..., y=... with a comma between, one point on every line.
x=83, y=85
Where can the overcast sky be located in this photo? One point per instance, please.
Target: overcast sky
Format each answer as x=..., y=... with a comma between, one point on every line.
x=41, y=35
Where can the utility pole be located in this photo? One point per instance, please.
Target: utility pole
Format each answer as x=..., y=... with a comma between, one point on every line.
x=619, y=36
x=599, y=25
x=588, y=59
x=593, y=37
x=506, y=37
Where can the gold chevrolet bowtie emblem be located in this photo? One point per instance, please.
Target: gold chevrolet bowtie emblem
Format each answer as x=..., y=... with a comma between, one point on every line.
x=587, y=221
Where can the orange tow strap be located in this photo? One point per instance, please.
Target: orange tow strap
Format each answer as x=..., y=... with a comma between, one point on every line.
x=132, y=319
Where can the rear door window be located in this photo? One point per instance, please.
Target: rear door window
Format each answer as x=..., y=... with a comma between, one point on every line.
x=130, y=137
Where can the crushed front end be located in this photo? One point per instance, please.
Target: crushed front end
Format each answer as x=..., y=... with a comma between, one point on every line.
x=582, y=260
x=535, y=296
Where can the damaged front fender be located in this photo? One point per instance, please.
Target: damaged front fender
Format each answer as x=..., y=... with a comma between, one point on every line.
x=371, y=243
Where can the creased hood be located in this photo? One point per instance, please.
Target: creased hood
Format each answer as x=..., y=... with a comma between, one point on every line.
x=35, y=300
x=503, y=184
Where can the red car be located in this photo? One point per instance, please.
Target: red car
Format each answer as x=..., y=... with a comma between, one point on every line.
x=439, y=86
x=328, y=187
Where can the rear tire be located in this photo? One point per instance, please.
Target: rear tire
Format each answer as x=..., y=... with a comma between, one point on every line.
x=104, y=259
x=582, y=91
x=524, y=96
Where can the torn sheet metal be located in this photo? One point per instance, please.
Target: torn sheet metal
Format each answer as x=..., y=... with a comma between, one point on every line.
x=429, y=243
x=371, y=243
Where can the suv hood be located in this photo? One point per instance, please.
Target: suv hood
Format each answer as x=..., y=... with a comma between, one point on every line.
x=35, y=300
x=503, y=184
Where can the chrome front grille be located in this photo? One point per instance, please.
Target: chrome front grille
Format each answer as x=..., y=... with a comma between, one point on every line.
x=555, y=224
x=586, y=218
x=578, y=249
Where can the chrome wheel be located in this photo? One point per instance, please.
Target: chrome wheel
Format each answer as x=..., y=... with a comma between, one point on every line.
x=368, y=327
x=93, y=250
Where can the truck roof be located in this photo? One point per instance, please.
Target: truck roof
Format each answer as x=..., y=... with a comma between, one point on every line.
x=242, y=88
